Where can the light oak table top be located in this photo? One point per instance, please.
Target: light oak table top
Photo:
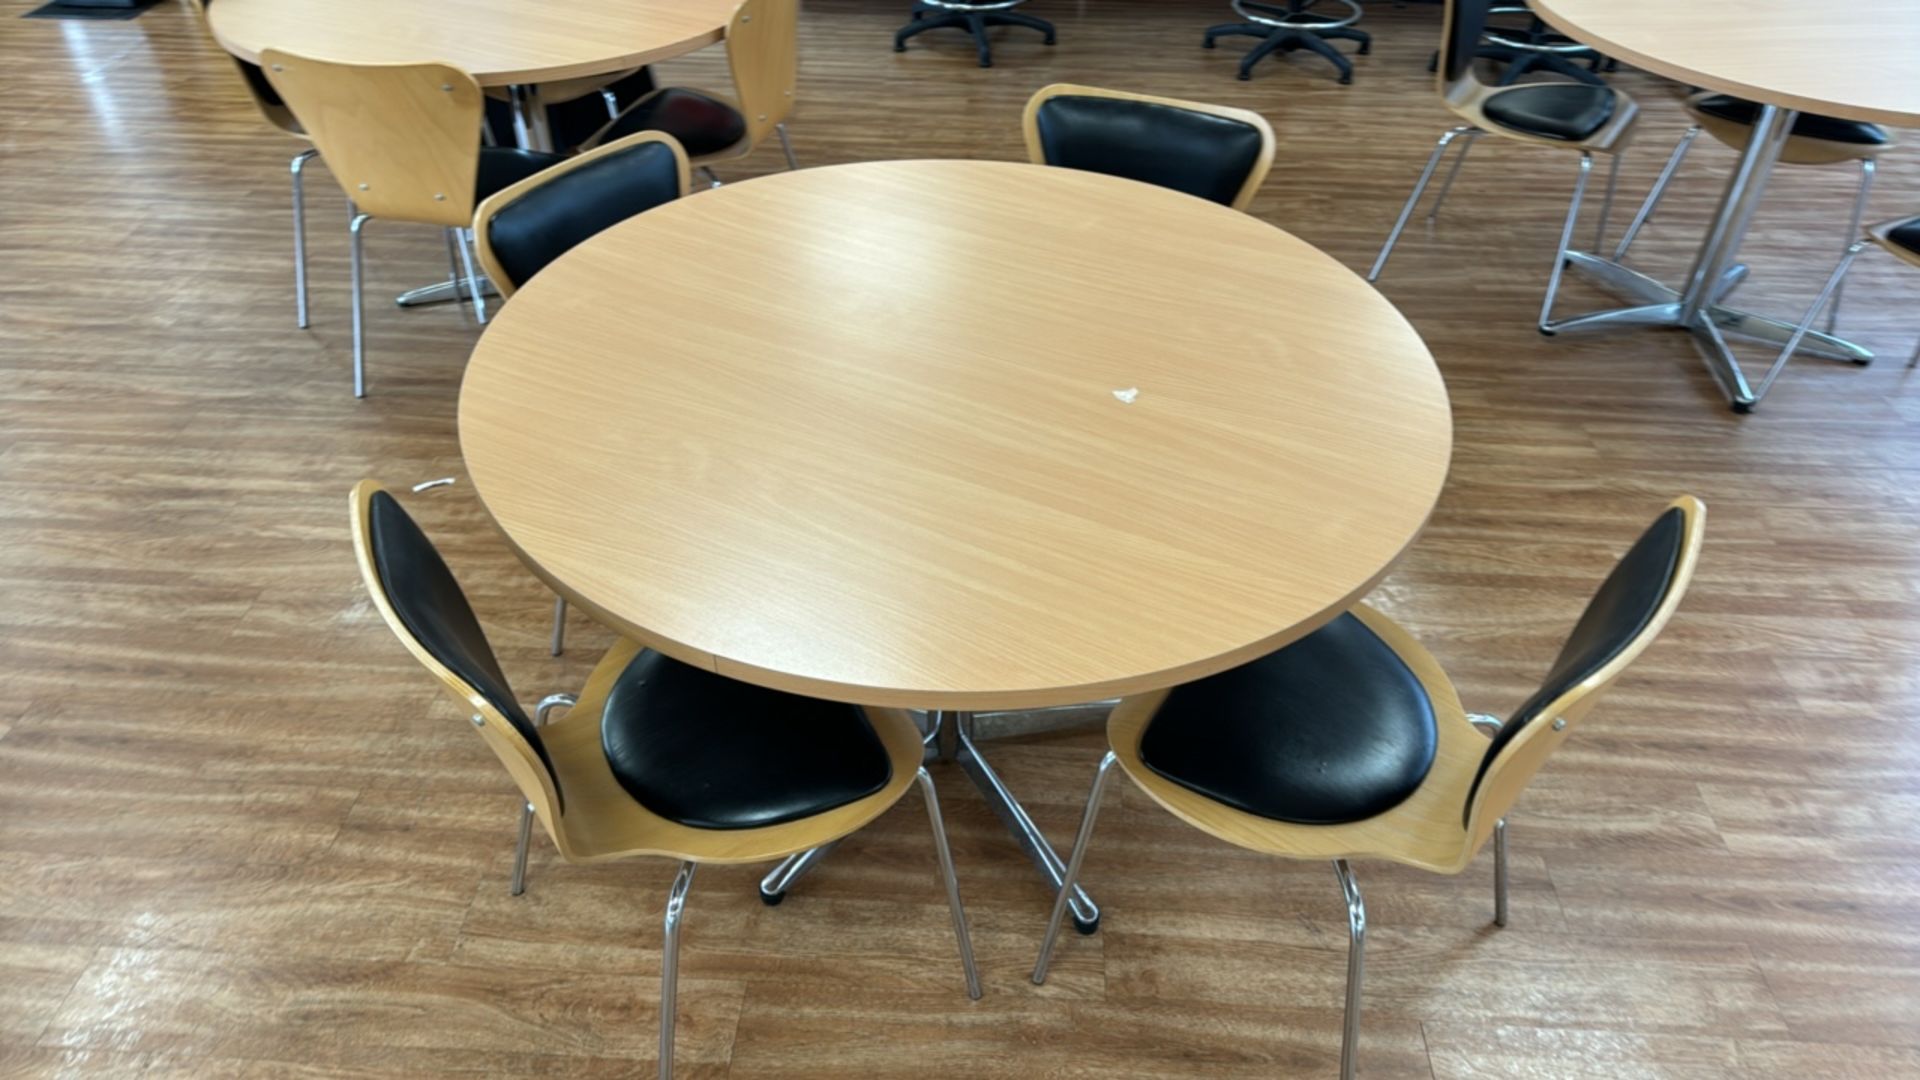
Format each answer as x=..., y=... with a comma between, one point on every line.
x=853, y=431
x=498, y=42
x=1856, y=59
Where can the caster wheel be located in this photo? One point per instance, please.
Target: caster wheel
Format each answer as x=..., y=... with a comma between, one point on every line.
x=1086, y=929
x=1245, y=76
x=1743, y=407
x=772, y=899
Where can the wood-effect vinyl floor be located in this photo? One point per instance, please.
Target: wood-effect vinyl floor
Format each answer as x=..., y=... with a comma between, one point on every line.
x=241, y=833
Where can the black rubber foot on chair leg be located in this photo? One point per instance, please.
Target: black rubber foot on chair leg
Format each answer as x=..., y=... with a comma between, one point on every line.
x=1858, y=362
x=1544, y=332
x=1743, y=407
x=772, y=899
x=1245, y=76
x=1086, y=929
x=1208, y=43
x=899, y=48
x=1364, y=49
x=1346, y=79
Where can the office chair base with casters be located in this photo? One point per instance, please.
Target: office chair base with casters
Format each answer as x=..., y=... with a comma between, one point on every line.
x=1290, y=28
x=974, y=17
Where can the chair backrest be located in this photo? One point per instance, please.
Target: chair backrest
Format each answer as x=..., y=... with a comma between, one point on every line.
x=1212, y=151
x=765, y=59
x=1621, y=620
x=403, y=140
x=265, y=98
x=422, y=602
x=522, y=228
x=1465, y=21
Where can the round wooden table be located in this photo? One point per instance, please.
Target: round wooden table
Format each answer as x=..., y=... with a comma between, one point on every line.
x=512, y=43
x=1853, y=60
x=955, y=435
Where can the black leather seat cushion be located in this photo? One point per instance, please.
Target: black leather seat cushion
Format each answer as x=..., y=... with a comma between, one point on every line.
x=1906, y=234
x=546, y=222
x=1570, y=111
x=1806, y=125
x=703, y=125
x=1194, y=152
x=502, y=166
x=714, y=753
x=423, y=592
x=1623, y=606
x=1330, y=729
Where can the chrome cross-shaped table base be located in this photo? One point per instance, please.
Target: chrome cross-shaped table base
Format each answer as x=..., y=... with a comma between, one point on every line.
x=952, y=738
x=1697, y=307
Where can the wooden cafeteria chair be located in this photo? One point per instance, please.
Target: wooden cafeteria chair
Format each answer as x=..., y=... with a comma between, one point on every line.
x=1901, y=239
x=276, y=113
x=1351, y=742
x=1814, y=140
x=521, y=228
x=1212, y=151
x=653, y=757
x=1579, y=117
x=764, y=59
x=403, y=141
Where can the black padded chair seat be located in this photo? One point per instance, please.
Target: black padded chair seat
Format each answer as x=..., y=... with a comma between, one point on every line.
x=1570, y=111
x=703, y=125
x=1907, y=235
x=1805, y=126
x=714, y=753
x=502, y=167
x=1331, y=729
x=1193, y=152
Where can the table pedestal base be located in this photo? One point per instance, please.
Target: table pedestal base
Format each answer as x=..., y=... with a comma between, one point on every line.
x=1653, y=303
x=952, y=738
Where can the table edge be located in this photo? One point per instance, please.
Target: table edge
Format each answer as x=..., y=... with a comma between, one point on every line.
x=1719, y=84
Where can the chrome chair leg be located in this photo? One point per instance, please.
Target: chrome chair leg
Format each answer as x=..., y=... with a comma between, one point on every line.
x=613, y=104
x=354, y=229
x=1806, y=323
x=1356, y=964
x=1566, y=241
x=1500, y=872
x=945, y=854
x=297, y=167
x=559, y=642
x=1466, y=147
x=670, y=964
x=1659, y=189
x=712, y=180
x=468, y=245
x=540, y=711
x=1072, y=877
x=786, y=144
x=1606, y=204
x=1413, y=200
x=1867, y=168
x=453, y=264
x=520, y=851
